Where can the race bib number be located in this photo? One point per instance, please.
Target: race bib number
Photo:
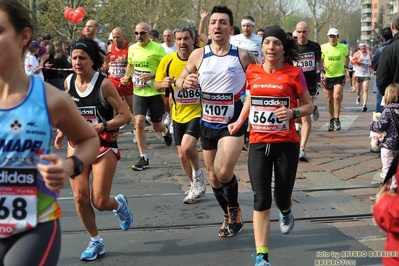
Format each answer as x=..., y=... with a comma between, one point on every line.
x=89, y=114
x=188, y=96
x=18, y=200
x=262, y=117
x=217, y=107
x=117, y=70
x=139, y=83
x=306, y=61
x=363, y=70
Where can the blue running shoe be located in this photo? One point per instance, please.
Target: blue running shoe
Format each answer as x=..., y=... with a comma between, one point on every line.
x=286, y=223
x=94, y=249
x=260, y=261
x=124, y=215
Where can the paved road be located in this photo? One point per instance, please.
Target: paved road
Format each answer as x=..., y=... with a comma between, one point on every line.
x=168, y=232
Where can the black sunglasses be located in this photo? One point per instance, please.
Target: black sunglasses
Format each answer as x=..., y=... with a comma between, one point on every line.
x=140, y=33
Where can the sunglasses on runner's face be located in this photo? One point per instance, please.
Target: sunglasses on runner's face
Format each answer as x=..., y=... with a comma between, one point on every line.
x=140, y=33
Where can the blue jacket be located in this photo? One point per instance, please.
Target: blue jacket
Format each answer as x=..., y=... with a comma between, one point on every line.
x=389, y=122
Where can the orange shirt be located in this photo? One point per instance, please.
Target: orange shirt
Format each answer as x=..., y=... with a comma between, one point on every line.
x=266, y=90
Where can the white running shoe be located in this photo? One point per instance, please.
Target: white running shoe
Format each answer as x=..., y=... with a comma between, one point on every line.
x=190, y=198
x=199, y=187
x=167, y=120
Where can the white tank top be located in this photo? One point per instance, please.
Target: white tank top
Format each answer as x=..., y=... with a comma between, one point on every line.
x=221, y=74
x=221, y=78
x=363, y=69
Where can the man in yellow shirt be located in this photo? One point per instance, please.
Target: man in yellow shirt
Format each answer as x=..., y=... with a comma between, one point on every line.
x=335, y=60
x=143, y=60
x=186, y=110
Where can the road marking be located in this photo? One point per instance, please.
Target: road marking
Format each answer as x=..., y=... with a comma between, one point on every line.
x=346, y=122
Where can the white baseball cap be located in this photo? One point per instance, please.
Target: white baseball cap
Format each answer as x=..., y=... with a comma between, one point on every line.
x=110, y=37
x=332, y=31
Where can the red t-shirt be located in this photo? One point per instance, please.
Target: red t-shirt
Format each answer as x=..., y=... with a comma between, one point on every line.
x=266, y=90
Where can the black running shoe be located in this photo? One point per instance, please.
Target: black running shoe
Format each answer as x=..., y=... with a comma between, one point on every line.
x=331, y=125
x=224, y=230
x=337, y=124
x=235, y=220
x=167, y=137
x=141, y=165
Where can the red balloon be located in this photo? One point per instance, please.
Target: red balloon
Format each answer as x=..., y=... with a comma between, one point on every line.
x=81, y=10
x=68, y=13
x=77, y=17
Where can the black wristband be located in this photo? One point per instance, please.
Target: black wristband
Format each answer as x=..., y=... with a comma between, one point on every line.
x=345, y=66
x=105, y=126
x=322, y=71
x=78, y=166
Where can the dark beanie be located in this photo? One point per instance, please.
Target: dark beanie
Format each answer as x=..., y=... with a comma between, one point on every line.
x=277, y=32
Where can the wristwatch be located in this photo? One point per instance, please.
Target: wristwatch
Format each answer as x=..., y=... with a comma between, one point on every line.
x=296, y=112
x=78, y=166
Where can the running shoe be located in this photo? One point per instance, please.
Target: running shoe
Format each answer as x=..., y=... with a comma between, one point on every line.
x=260, y=260
x=235, y=220
x=224, y=229
x=124, y=215
x=364, y=108
x=167, y=120
x=190, y=198
x=94, y=249
x=134, y=136
x=147, y=120
x=337, y=124
x=316, y=113
x=331, y=125
x=286, y=223
x=199, y=187
x=358, y=100
x=167, y=137
x=141, y=165
x=352, y=89
x=302, y=155
x=245, y=147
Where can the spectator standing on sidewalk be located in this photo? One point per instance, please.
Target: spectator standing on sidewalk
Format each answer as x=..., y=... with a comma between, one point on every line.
x=388, y=66
x=386, y=215
x=389, y=122
x=386, y=38
x=335, y=61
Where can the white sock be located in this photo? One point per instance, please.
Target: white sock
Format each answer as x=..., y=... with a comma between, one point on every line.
x=96, y=238
x=119, y=206
x=144, y=155
x=197, y=172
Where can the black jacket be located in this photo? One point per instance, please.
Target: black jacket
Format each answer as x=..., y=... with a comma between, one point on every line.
x=388, y=66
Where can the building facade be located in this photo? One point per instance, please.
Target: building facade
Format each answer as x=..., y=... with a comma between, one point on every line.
x=371, y=13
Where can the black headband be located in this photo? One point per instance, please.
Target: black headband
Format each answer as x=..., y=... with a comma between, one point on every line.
x=86, y=46
x=277, y=32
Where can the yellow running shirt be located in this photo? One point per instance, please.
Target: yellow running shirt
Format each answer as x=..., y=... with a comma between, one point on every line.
x=145, y=60
x=186, y=104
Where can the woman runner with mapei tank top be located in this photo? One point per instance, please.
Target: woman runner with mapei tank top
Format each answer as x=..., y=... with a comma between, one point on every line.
x=30, y=178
